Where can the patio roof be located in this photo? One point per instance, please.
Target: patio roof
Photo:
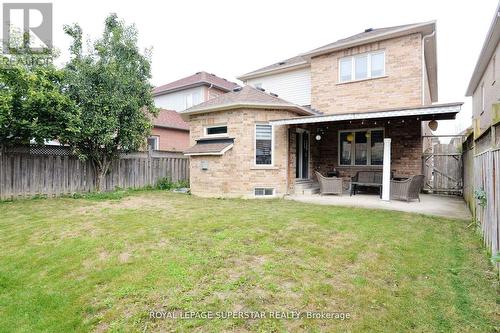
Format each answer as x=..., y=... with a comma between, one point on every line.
x=429, y=112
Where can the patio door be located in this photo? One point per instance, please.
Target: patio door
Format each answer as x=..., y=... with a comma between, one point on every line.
x=302, y=156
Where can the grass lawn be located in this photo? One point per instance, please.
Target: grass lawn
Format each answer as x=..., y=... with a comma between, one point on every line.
x=102, y=265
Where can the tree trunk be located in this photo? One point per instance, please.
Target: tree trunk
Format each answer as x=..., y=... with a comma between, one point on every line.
x=100, y=170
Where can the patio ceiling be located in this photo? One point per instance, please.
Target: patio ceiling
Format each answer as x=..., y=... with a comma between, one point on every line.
x=429, y=112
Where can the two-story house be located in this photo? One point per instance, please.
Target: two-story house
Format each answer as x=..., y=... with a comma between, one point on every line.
x=355, y=104
x=170, y=132
x=485, y=91
x=191, y=90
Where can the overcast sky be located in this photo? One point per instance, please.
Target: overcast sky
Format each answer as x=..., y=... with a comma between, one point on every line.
x=229, y=38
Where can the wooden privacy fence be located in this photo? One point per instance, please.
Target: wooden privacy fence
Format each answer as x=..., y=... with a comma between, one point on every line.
x=442, y=164
x=487, y=177
x=53, y=170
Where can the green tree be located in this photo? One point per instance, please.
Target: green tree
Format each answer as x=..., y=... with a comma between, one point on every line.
x=109, y=83
x=33, y=104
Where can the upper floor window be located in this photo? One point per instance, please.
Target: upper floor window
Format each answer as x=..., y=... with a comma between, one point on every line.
x=192, y=99
x=189, y=101
x=217, y=130
x=263, y=144
x=362, y=66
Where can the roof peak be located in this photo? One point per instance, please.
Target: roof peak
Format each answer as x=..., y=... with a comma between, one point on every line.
x=196, y=79
x=303, y=59
x=247, y=96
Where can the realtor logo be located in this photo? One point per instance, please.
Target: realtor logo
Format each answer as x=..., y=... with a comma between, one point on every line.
x=29, y=24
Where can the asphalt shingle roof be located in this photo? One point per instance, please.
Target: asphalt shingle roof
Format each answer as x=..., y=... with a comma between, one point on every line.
x=170, y=119
x=245, y=96
x=301, y=58
x=205, y=147
x=200, y=78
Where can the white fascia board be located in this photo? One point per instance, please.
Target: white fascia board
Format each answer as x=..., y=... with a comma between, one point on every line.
x=369, y=115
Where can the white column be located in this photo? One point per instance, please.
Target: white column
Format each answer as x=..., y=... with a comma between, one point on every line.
x=386, y=175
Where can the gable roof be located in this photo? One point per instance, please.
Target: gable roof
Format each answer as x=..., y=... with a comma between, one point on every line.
x=294, y=62
x=246, y=97
x=489, y=46
x=170, y=119
x=367, y=36
x=195, y=80
x=373, y=35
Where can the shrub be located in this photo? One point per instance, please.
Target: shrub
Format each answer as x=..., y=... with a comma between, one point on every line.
x=166, y=184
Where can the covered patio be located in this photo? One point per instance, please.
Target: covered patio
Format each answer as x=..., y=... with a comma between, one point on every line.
x=437, y=205
x=386, y=142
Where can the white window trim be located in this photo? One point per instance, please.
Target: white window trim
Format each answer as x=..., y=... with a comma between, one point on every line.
x=263, y=166
x=157, y=141
x=368, y=150
x=272, y=195
x=221, y=135
x=368, y=66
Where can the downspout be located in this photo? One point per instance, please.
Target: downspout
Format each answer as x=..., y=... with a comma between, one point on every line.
x=424, y=77
x=208, y=92
x=423, y=64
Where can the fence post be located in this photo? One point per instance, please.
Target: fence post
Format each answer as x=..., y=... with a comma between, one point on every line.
x=150, y=165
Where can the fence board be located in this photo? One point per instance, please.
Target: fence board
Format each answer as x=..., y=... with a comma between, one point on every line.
x=486, y=177
x=28, y=171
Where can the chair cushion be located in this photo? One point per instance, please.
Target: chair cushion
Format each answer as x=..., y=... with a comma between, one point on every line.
x=369, y=177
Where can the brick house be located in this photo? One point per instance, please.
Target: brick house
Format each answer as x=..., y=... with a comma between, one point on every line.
x=170, y=132
x=332, y=109
x=485, y=91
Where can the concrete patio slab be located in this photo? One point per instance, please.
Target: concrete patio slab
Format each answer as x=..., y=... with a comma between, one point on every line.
x=438, y=205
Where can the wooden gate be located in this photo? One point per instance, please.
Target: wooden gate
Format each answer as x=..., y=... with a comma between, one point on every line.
x=442, y=164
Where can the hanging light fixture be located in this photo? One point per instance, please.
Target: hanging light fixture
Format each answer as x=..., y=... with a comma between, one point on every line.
x=350, y=137
x=318, y=137
x=433, y=125
x=368, y=134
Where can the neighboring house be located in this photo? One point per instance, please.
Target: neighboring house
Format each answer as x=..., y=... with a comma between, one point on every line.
x=482, y=147
x=338, y=106
x=170, y=132
x=191, y=90
x=485, y=91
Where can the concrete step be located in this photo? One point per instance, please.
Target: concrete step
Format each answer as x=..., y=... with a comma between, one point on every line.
x=309, y=191
x=306, y=186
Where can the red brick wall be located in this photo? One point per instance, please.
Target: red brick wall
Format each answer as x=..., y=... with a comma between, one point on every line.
x=406, y=147
x=172, y=139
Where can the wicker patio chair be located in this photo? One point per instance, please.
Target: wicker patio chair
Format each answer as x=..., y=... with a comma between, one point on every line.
x=408, y=189
x=329, y=185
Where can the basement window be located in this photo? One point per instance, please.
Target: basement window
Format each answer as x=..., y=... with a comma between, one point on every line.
x=263, y=192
